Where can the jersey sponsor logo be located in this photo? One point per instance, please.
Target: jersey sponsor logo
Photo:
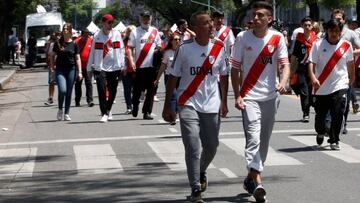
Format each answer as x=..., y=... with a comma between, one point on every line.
x=266, y=60
x=200, y=71
x=116, y=45
x=143, y=41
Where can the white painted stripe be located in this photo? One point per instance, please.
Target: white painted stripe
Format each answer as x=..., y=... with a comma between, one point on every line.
x=99, y=139
x=347, y=153
x=228, y=173
x=162, y=121
x=173, y=130
x=172, y=153
x=92, y=159
x=274, y=158
x=17, y=162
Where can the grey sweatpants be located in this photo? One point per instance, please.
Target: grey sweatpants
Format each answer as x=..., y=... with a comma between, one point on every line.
x=258, y=123
x=200, y=135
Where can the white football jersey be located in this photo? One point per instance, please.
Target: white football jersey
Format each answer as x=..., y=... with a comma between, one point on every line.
x=189, y=58
x=228, y=41
x=320, y=55
x=168, y=59
x=138, y=39
x=246, y=50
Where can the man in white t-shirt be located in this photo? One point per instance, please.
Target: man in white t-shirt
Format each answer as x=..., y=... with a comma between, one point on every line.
x=331, y=71
x=257, y=53
x=198, y=62
x=222, y=32
x=143, y=42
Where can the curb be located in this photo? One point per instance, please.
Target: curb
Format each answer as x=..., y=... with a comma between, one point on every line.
x=6, y=78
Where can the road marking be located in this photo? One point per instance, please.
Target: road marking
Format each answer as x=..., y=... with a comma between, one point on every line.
x=99, y=139
x=173, y=130
x=172, y=153
x=228, y=173
x=17, y=162
x=274, y=158
x=94, y=159
x=347, y=153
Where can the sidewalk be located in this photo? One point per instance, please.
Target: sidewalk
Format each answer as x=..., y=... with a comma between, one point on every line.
x=7, y=71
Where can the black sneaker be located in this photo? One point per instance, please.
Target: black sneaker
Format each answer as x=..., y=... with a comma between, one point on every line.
x=90, y=104
x=319, y=139
x=77, y=104
x=196, y=196
x=345, y=131
x=260, y=193
x=249, y=185
x=49, y=102
x=306, y=119
x=147, y=116
x=203, y=182
x=135, y=111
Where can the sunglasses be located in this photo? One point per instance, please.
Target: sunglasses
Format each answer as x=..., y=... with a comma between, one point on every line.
x=176, y=39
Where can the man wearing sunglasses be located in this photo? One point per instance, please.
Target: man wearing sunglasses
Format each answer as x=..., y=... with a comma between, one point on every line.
x=106, y=60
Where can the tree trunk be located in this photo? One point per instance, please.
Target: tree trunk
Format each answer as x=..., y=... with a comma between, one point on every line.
x=314, y=9
x=358, y=10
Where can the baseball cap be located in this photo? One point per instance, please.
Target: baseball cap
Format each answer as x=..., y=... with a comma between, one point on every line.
x=145, y=14
x=107, y=17
x=217, y=14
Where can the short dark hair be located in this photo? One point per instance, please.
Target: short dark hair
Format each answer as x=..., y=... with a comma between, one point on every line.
x=193, y=18
x=263, y=4
x=307, y=18
x=217, y=14
x=180, y=22
x=338, y=11
x=334, y=23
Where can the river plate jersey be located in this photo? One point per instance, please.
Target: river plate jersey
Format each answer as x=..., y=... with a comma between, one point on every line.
x=246, y=51
x=229, y=38
x=138, y=38
x=189, y=58
x=338, y=78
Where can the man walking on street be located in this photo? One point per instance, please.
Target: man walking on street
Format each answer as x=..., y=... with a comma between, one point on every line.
x=143, y=41
x=106, y=60
x=198, y=62
x=222, y=32
x=84, y=43
x=257, y=53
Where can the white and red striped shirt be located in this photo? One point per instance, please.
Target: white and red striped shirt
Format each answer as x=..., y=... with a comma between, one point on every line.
x=189, y=58
x=246, y=50
x=229, y=39
x=138, y=38
x=320, y=55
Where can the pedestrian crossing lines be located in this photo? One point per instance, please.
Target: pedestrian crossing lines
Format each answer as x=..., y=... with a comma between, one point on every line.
x=172, y=153
x=94, y=159
x=17, y=162
x=273, y=158
x=347, y=153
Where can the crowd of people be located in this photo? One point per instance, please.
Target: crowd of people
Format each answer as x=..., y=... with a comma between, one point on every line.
x=197, y=63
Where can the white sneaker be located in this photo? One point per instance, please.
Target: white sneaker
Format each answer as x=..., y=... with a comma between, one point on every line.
x=142, y=96
x=67, y=117
x=260, y=194
x=60, y=115
x=104, y=118
x=110, y=117
x=334, y=146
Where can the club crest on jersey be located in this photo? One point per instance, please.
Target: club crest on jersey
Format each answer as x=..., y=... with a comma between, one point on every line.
x=270, y=48
x=211, y=59
x=342, y=51
x=224, y=34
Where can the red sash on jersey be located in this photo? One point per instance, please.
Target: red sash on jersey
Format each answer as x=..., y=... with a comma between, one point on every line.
x=258, y=67
x=308, y=43
x=332, y=62
x=195, y=83
x=107, y=44
x=224, y=34
x=145, y=50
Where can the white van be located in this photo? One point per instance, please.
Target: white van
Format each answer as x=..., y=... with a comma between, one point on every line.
x=41, y=25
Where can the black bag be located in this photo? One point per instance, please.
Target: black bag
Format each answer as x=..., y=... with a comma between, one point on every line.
x=158, y=55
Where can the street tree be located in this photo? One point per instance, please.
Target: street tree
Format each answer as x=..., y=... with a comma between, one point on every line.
x=78, y=12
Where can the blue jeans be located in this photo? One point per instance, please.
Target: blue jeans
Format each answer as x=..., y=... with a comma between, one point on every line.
x=127, y=82
x=174, y=95
x=65, y=78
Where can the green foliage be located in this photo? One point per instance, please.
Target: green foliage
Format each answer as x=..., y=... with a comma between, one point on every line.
x=331, y=4
x=81, y=9
x=118, y=11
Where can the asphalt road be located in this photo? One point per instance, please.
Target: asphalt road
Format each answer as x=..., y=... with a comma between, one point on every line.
x=135, y=160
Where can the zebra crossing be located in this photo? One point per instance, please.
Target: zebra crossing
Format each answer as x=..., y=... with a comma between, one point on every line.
x=104, y=158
